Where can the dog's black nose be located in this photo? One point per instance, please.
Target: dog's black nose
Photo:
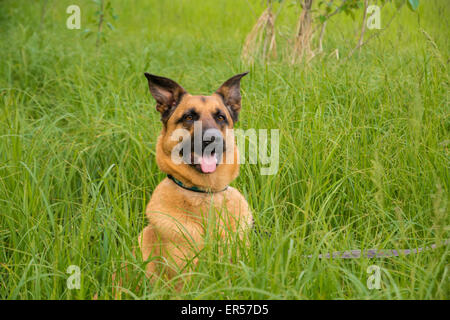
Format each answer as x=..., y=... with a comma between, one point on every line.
x=211, y=135
x=213, y=138
x=208, y=142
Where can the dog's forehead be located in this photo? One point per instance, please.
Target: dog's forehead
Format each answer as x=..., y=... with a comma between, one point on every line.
x=200, y=104
x=203, y=102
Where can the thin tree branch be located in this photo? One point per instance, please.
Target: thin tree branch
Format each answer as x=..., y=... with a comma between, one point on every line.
x=322, y=32
x=375, y=34
x=331, y=14
x=100, y=23
x=363, y=27
x=335, y=11
x=43, y=12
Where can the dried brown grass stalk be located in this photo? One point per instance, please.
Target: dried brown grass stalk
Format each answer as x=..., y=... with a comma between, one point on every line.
x=302, y=46
x=261, y=38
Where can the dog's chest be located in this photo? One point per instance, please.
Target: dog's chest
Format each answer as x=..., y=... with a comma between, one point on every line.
x=184, y=205
x=203, y=203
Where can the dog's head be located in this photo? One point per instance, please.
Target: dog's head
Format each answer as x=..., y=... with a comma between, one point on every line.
x=196, y=145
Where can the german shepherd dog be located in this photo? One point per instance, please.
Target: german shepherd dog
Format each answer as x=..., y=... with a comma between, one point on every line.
x=198, y=176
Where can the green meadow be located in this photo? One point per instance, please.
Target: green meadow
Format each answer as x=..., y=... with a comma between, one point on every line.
x=363, y=150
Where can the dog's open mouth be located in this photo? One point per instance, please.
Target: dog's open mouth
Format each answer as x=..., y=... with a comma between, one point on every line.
x=205, y=163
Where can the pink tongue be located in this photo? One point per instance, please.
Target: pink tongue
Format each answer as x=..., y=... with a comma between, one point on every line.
x=208, y=164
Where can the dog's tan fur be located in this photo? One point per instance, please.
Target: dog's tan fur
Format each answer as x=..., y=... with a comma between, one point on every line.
x=177, y=217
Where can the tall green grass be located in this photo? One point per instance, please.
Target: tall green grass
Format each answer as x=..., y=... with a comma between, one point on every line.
x=364, y=158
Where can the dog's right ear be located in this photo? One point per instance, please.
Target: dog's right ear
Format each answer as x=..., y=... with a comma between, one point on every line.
x=167, y=94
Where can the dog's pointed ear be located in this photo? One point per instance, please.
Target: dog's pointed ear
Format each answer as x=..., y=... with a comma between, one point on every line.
x=230, y=92
x=166, y=92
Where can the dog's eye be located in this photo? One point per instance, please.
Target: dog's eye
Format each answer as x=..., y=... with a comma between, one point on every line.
x=220, y=118
x=188, y=117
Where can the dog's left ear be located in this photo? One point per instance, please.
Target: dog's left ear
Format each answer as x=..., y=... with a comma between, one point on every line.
x=230, y=92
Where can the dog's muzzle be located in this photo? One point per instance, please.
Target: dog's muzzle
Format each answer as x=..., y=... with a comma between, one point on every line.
x=206, y=151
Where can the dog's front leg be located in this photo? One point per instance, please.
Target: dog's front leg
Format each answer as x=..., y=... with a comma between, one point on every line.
x=182, y=239
x=150, y=246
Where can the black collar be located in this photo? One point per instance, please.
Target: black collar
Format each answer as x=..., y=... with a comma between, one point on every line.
x=193, y=188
